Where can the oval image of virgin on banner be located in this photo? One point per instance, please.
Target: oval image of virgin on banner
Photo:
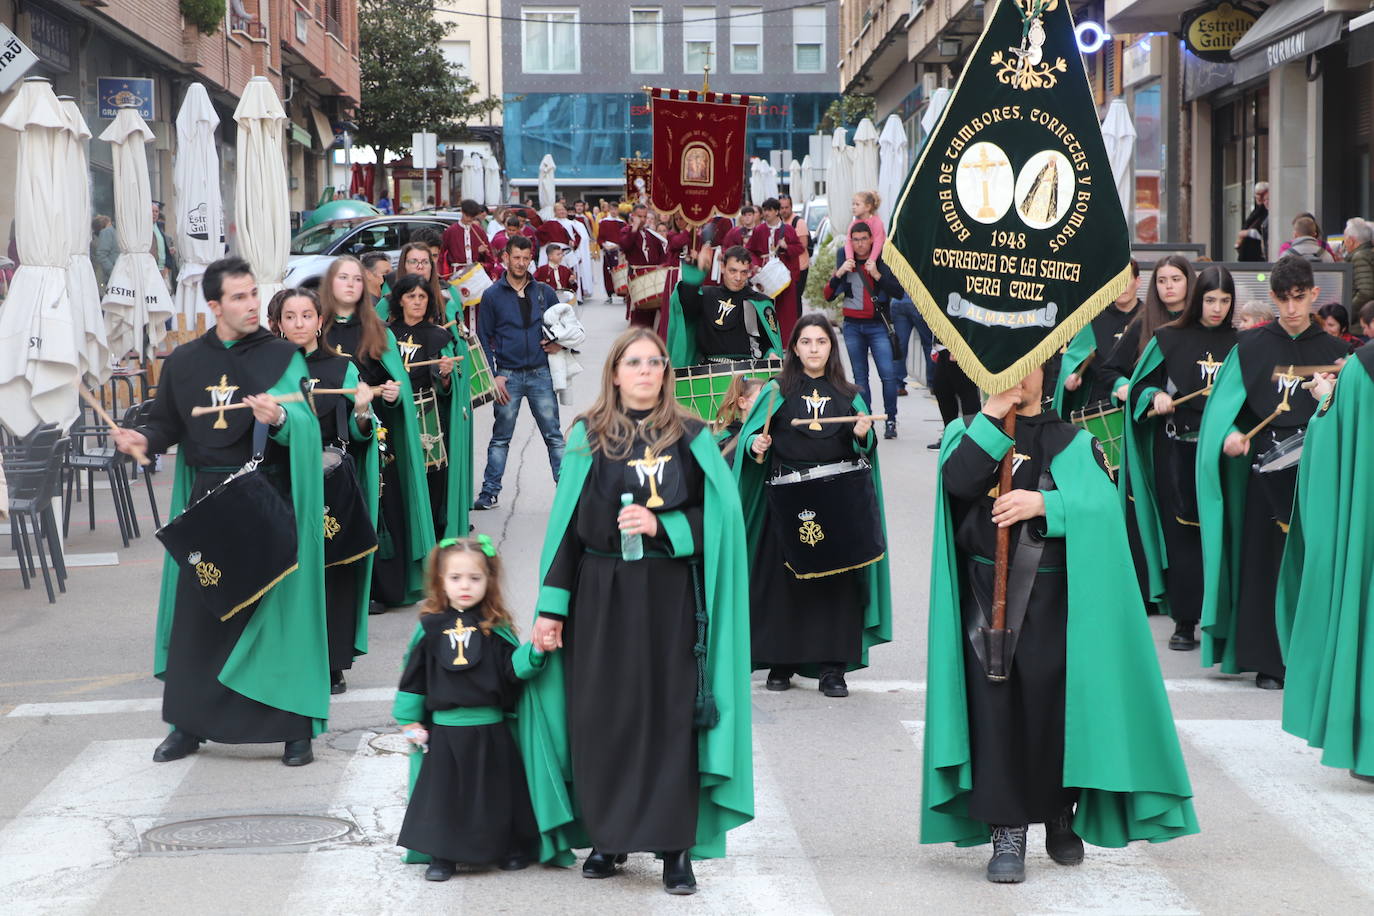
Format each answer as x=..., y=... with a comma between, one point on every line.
x=1044, y=189
x=697, y=164
x=985, y=182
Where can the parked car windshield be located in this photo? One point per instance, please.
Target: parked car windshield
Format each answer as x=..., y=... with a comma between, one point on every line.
x=319, y=239
x=814, y=214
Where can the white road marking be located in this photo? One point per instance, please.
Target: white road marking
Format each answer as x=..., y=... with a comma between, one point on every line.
x=1123, y=882
x=110, y=707
x=1172, y=685
x=1324, y=807
x=72, y=560
x=60, y=852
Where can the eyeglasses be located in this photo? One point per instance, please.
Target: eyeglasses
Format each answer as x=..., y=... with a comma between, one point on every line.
x=657, y=363
x=417, y=262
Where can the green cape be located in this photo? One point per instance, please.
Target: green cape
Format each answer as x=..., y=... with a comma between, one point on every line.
x=751, y=477
x=1133, y=780
x=682, y=334
x=1325, y=591
x=410, y=707
x=725, y=752
x=282, y=658
x=368, y=476
x=459, y=441
x=403, y=427
x=1221, y=512
x=1075, y=354
x=1137, y=475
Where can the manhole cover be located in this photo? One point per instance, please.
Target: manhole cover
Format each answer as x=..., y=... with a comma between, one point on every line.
x=245, y=831
x=391, y=743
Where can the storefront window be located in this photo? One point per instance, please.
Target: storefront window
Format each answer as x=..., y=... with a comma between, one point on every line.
x=1149, y=166
x=1241, y=144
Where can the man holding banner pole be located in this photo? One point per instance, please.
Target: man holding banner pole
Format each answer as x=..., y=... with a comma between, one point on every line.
x=1028, y=630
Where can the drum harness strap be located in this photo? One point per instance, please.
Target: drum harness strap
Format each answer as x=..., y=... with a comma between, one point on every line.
x=1020, y=580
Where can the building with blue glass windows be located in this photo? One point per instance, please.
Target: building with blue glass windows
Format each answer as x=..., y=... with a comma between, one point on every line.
x=572, y=78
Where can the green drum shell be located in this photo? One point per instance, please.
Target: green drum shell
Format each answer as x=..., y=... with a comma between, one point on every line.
x=701, y=388
x=431, y=429
x=483, y=388
x=1107, y=424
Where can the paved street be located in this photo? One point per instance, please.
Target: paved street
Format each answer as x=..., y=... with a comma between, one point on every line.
x=837, y=781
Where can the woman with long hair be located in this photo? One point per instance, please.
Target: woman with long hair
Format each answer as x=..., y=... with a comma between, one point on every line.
x=823, y=626
x=644, y=559
x=417, y=259
x=346, y=422
x=441, y=399
x=1164, y=301
x=1167, y=394
x=405, y=527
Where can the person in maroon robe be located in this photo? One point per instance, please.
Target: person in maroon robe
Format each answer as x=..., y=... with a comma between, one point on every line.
x=773, y=238
x=644, y=249
x=466, y=242
x=739, y=235
x=609, y=228
x=555, y=273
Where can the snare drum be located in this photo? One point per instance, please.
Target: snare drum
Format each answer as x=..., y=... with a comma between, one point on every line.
x=1277, y=473
x=827, y=518
x=431, y=429
x=700, y=388
x=772, y=279
x=1107, y=424
x=469, y=286
x=620, y=279
x=648, y=289
x=479, y=375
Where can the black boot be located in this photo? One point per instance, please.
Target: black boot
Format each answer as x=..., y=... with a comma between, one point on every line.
x=337, y=684
x=298, y=753
x=602, y=864
x=779, y=679
x=515, y=860
x=832, y=683
x=176, y=745
x=1361, y=777
x=1184, y=638
x=1008, y=862
x=1062, y=844
x=1268, y=682
x=677, y=873
x=439, y=870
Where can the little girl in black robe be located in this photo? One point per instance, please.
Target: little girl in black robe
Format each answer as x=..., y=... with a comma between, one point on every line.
x=464, y=670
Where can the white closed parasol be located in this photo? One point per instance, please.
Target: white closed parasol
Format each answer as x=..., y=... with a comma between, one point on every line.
x=839, y=182
x=1118, y=135
x=472, y=178
x=93, y=350
x=892, y=166
x=39, y=367
x=865, y=157
x=491, y=182
x=198, y=223
x=547, y=190
x=137, y=302
x=261, y=196
x=808, y=183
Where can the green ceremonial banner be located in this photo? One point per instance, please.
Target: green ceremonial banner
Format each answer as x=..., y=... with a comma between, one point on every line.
x=1009, y=234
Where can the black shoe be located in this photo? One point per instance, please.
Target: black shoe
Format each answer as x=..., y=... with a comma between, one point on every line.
x=1008, y=862
x=176, y=745
x=484, y=501
x=1268, y=682
x=1062, y=844
x=298, y=753
x=1184, y=638
x=677, y=873
x=337, y=684
x=832, y=684
x=516, y=861
x=376, y=607
x=602, y=864
x=933, y=446
x=779, y=679
x=439, y=870
x=890, y=429
x=1361, y=777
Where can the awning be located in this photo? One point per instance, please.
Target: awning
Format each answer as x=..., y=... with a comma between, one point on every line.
x=1361, y=49
x=298, y=134
x=1287, y=31
x=323, y=129
x=1126, y=17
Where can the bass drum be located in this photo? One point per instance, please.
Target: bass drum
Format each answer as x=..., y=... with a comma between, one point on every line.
x=827, y=518
x=349, y=534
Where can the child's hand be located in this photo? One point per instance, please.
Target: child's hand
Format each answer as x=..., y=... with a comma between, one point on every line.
x=416, y=735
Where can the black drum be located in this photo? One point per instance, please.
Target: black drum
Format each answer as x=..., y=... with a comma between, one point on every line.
x=1277, y=468
x=349, y=534
x=235, y=542
x=827, y=518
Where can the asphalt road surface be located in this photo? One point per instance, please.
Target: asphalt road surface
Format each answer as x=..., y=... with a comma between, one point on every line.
x=837, y=782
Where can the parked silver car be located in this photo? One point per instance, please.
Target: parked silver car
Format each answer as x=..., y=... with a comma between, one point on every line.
x=314, y=249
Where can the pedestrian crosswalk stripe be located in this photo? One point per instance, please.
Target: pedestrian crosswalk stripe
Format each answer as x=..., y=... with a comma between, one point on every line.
x=151, y=704
x=59, y=853
x=1137, y=884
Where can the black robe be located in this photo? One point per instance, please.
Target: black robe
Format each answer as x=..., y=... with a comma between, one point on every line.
x=720, y=319
x=193, y=699
x=1191, y=358
x=419, y=342
x=1016, y=728
x=629, y=669
x=470, y=803
x=813, y=621
x=1108, y=328
x=1269, y=497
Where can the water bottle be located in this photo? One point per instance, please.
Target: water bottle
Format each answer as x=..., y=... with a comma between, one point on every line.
x=631, y=545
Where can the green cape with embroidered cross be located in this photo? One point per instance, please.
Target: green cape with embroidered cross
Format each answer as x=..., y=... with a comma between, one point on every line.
x=1120, y=745
x=403, y=433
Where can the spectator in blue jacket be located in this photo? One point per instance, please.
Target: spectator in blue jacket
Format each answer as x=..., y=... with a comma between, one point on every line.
x=510, y=324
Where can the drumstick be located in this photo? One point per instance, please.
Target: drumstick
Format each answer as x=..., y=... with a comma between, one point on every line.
x=279, y=398
x=1265, y=422
x=139, y=454
x=768, y=420
x=1304, y=371
x=803, y=421
x=432, y=362
x=1186, y=397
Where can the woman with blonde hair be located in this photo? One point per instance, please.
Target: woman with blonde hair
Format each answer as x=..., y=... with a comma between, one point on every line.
x=643, y=719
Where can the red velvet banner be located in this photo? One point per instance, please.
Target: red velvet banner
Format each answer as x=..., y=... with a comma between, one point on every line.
x=638, y=174
x=699, y=161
